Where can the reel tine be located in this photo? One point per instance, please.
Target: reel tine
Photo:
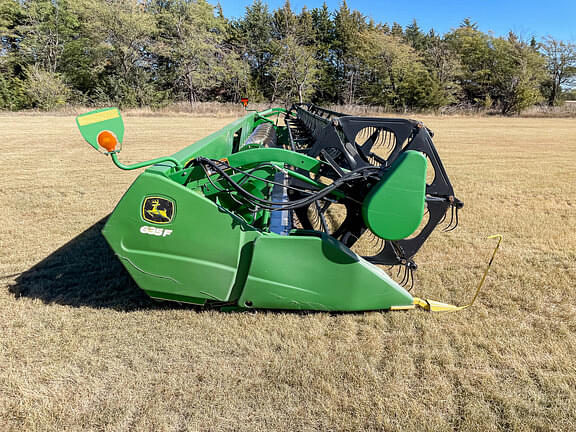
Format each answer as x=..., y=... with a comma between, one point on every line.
x=409, y=279
x=407, y=275
x=455, y=221
x=448, y=227
x=391, y=142
x=403, y=281
x=443, y=218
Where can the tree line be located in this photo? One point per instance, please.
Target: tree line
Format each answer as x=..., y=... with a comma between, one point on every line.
x=137, y=53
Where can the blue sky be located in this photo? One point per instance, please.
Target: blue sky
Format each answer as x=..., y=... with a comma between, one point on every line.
x=526, y=18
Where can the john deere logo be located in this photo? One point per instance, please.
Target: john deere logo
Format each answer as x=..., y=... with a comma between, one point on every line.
x=158, y=210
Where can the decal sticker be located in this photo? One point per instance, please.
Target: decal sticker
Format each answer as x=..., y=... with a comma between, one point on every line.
x=159, y=232
x=158, y=210
x=97, y=117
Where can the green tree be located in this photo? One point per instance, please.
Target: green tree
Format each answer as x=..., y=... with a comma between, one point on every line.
x=474, y=54
x=285, y=22
x=418, y=89
x=348, y=28
x=323, y=41
x=414, y=36
x=396, y=75
x=11, y=17
x=304, y=30
x=190, y=42
x=561, y=65
x=47, y=26
x=444, y=67
x=294, y=71
x=12, y=95
x=123, y=33
x=518, y=72
x=236, y=71
x=397, y=30
x=46, y=89
x=253, y=38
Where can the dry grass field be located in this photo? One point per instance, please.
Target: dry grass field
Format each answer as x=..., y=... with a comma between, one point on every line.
x=82, y=349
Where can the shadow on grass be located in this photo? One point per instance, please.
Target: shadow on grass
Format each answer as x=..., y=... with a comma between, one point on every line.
x=84, y=272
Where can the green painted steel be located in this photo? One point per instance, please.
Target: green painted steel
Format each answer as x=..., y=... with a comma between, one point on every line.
x=139, y=165
x=393, y=209
x=247, y=158
x=196, y=255
x=316, y=273
x=94, y=122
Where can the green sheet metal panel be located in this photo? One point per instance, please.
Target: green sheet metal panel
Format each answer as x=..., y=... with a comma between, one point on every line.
x=316, y=273
x=249, y=157
x=395, y=206
x=194, y=256
x=92, y=123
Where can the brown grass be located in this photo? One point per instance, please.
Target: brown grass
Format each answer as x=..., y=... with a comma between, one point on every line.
x=82, y=349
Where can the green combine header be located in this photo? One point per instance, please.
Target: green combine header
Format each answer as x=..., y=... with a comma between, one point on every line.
x=281, y=209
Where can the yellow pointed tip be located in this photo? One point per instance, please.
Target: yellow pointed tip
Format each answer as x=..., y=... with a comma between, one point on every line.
x=435, y=306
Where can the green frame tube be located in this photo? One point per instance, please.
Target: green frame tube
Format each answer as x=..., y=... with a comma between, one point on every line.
x=138, y=165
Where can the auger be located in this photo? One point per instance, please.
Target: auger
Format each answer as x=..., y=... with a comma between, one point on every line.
x=281, y=209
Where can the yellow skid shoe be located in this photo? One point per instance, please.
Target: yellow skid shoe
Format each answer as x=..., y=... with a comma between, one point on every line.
x=436, y=306
x=429, y=305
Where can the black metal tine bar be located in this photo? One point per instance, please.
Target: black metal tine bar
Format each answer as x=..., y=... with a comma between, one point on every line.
x=448, y=227
x=404, y=279
x=452, y=228
x=412, y=280
x=443, y=217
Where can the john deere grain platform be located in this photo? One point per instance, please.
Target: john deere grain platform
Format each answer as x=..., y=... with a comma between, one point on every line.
x=281, y=209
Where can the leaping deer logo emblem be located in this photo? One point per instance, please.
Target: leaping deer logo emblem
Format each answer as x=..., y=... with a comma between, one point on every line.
x=157, y=210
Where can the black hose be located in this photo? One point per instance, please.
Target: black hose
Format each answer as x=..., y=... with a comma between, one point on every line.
x=272, y=205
